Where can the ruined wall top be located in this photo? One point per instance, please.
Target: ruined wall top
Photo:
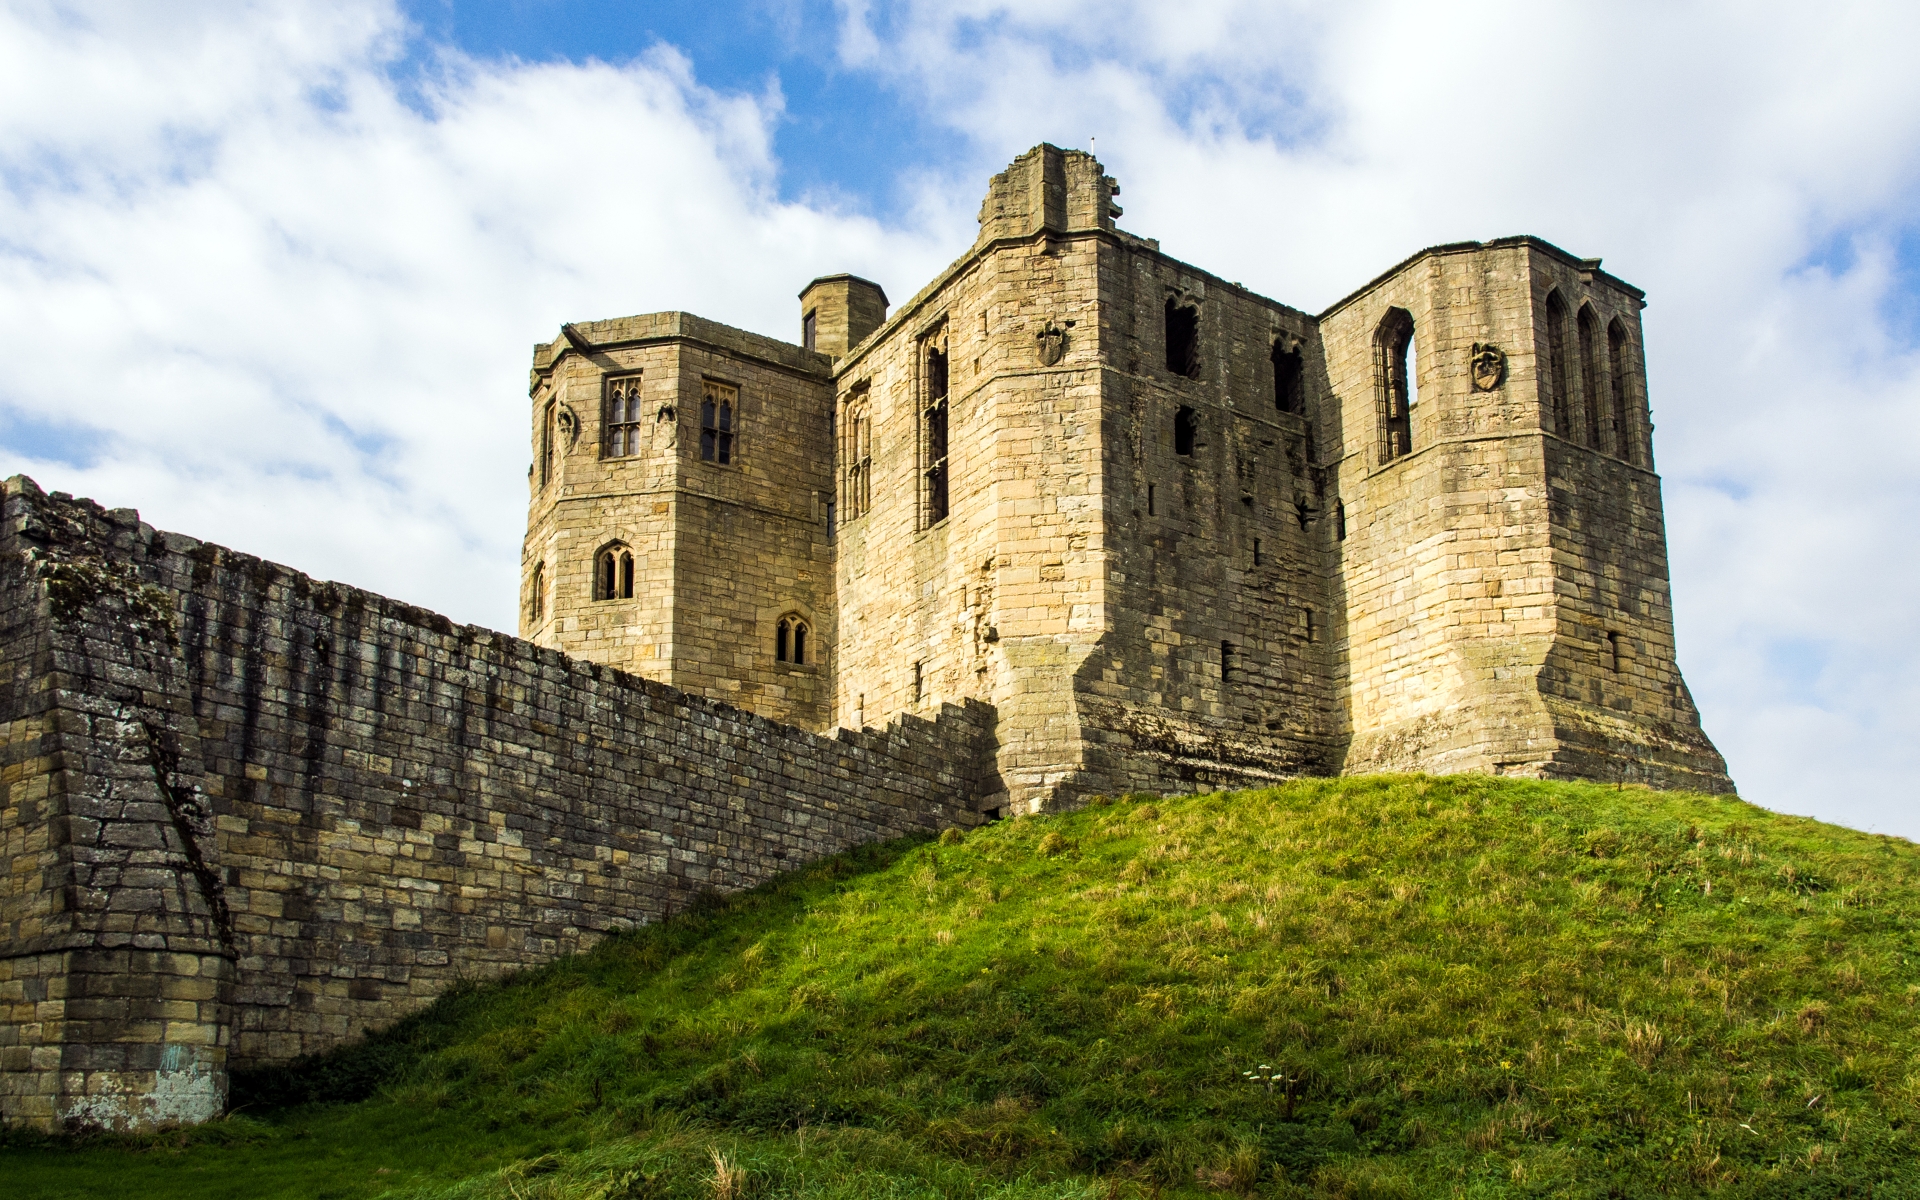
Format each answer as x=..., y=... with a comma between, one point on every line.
x=1052, y=189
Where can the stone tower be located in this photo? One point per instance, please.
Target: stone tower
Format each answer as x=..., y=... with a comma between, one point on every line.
x=1176, y=534
x=676, y=519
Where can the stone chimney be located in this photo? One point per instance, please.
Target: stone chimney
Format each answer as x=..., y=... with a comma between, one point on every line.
x=1052, y=189
x=838, y=311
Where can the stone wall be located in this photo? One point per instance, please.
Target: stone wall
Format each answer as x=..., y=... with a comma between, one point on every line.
x=249, y=814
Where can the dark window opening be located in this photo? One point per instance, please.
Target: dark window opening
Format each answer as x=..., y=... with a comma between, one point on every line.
x=1226, y=661
x=613, y=574
x=1256, y=552
x=1613, y=652
x=1185, y=425
x=1183, y=339
x=919, y=683
x=1340, y=520
x=790, y=641
x=621, y=419
x=716, y=423
x=1313, y=626
x=1398, y=371
x=1289, y=379
x=1625, y=440
x=1559, y=380
x=934, y=421
x=1152, y=509
x=537, y=598
x=547, y=417
x=1589, y=327
x=808, y=330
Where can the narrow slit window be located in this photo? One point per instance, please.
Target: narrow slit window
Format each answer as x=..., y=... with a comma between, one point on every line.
x=1289, y=379
x=1313, y=626
x=1183, y=338
x=1613, y=653
x=1185, y=426
x=809, y=329
x=919, y=683
x=1226, y=661
x=547, y=417
x=1152, y=509
x=621, y=418
x=800, y=642
x=613, y=573
x=1626, y=442
x=782, y=640
x=934, y=427
x=1340, y=520
x=718, y=402
x=1589, y=327
x=1256, y=552
x=537, y=594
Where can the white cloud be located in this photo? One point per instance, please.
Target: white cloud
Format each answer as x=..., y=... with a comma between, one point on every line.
x=276, y=305
x=1706, y=150
x=280, y=300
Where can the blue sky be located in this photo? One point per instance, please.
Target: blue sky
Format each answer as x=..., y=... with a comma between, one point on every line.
x=270, y=270
x=843, y=133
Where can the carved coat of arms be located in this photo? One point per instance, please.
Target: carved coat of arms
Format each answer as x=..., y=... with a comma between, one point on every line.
x=1053, y=344
x=1489, y=366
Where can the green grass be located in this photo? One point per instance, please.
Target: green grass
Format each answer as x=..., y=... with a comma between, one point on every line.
x=1462, y=987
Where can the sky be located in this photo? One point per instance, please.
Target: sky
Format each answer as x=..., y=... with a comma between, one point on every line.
x=271, y=272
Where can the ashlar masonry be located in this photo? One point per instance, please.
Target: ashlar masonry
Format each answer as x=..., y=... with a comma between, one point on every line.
x=1175, y=533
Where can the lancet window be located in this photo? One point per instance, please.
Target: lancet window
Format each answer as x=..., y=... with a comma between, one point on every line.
x=1396, y=369
x=934, y=448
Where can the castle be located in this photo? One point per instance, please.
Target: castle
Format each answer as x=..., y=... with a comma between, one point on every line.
x=1077, y=518
x=1175, y=533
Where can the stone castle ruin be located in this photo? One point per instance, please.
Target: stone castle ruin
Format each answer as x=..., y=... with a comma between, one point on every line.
x=1077, y=518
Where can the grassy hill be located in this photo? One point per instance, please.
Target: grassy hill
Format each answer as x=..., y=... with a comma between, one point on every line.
x=1371, y=987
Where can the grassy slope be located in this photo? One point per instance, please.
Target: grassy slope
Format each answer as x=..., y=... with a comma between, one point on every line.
x=1481, y=987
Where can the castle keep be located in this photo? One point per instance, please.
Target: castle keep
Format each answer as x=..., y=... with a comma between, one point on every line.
x=1175, y=533
x=1076, y=518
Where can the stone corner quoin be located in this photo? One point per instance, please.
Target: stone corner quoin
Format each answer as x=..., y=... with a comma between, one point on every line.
x=1076, y=518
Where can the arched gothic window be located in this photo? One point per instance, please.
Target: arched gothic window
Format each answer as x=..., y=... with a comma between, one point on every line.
x=718, y=402
x=1589, y=326
x=1558, y=382
x=1626, y=434
x=620, y=421
x=856, y=455
x=790, y=640
x=1396, y=370
x=934, y=425
x=613, y=573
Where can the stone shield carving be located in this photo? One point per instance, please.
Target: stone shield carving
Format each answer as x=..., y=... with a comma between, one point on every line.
x=569, y=423
x=1053, y=344
x=1488, y=365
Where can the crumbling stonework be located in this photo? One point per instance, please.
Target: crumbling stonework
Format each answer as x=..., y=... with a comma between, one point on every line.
x=248, y=814
x=1177, y=534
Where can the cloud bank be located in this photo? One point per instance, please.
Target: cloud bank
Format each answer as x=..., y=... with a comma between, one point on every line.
x=275, y=290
